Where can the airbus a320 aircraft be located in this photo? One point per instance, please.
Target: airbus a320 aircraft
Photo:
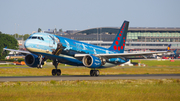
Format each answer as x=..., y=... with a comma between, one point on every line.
x=43, y=46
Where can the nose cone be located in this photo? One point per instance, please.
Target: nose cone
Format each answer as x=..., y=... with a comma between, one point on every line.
x=27, y=44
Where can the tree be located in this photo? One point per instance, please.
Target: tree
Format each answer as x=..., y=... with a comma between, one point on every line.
x=16, y=35
x=55, y=30
x=60, y=30
x=26, y=36
x=39, y=30
x=7, y=41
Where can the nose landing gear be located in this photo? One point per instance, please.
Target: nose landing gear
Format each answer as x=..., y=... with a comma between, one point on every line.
x=41, y=62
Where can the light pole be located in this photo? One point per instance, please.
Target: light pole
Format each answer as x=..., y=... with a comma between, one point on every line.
x=100, y=35
x=97, y=36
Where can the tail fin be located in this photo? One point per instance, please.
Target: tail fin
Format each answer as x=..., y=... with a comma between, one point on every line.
x=175, y=51
x=119, y=42
x=168, y=48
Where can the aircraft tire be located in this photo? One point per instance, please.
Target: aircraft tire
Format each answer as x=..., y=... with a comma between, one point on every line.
x=39, y=66
x=54, y=72
x=96, y=72
x=58, y=72
x=91, y=72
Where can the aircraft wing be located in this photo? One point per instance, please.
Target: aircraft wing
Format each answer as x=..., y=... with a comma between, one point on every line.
x=20, y=51
x=122, y=55
x=126, y=55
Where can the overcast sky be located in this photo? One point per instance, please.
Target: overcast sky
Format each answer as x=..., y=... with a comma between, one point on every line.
x=25, y=16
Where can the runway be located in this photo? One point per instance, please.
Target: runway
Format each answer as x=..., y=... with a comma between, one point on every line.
x=87, y=77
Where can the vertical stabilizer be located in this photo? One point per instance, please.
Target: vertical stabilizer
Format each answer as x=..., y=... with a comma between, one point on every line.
x=120, y=40
x=168, y=48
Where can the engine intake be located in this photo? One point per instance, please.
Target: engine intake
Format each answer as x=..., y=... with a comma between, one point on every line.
x=91, y=61
x=32, y=60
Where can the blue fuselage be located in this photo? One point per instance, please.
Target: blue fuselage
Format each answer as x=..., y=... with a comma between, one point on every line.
x=44, y=44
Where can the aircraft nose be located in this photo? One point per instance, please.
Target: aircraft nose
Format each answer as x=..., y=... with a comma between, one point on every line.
x=26, y=44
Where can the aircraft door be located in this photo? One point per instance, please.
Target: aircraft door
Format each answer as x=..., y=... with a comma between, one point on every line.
x=51, y=41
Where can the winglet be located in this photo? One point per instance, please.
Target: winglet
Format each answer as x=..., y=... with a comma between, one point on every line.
x=4, y=48
x=168, y=48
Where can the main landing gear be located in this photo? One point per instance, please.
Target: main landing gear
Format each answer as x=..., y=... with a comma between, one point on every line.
x=94, y=73
x=56, y=71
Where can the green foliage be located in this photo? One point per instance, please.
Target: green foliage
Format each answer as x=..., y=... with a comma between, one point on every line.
x=7, y=41
x=18, y=83
x=19, y=60
x=9, y=60
x=39, y=30
x=53, y=82
x=25, y=36
x=12, y=60
x=60, y=30
x=49, y=60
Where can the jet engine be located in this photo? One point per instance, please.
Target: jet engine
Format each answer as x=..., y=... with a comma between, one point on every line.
x=32, y=60
x=92, y=61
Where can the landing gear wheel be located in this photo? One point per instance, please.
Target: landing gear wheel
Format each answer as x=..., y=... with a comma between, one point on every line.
x=96, y=72
x=54, y=72
x=92, y=73
x=39, y=66
x=58, y=72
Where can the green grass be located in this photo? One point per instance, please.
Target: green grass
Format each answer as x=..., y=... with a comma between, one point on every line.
x=85, y=71
x=159, y=63
x=153, y=67
x=10, y=65
x=102, y=90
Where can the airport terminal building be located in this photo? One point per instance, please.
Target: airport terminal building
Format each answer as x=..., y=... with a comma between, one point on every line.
x=138, y=39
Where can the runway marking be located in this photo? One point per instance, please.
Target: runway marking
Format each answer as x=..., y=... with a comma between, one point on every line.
x=87, y=77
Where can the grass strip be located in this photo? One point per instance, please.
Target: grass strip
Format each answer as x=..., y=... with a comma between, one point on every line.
x=85, y=71
x=102, y=90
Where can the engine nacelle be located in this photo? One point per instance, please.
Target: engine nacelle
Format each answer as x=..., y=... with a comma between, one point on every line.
x=32, y=60
x=91, y=61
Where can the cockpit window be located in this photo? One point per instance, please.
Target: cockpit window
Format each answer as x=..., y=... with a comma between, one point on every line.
x=29, y=37
x=42, y=38
x=51, y=37
x=36, y=37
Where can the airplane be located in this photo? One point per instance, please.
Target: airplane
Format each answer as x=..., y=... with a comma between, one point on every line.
x=43, y=46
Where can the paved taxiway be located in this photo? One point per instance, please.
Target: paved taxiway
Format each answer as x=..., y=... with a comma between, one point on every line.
x=87, y=77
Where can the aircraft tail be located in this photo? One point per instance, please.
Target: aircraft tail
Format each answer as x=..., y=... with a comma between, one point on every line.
x=168, y=48
x=119, y=42
x=175, y=51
